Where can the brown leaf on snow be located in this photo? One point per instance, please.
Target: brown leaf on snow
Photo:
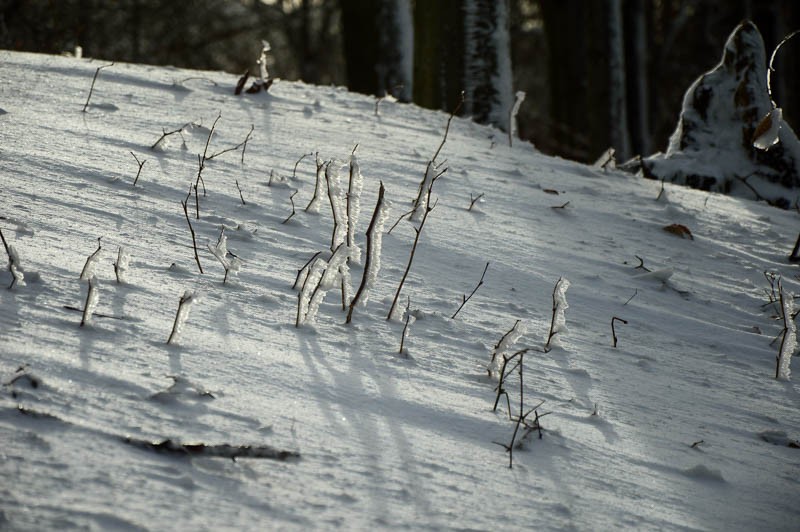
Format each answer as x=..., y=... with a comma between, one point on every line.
x=679, y=229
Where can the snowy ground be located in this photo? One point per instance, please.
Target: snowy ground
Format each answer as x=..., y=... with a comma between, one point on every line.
x=385, y=441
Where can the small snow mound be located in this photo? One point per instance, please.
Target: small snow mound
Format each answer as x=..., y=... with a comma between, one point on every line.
x=779, y=437
x=702, y=472
x=658, y=275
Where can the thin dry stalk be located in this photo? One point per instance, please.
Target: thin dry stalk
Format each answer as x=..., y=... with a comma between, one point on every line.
x=466, y=298
x=191, y=230
x=613, y=332
x=405, y=327
x=94, y=79
x=473, y=201
x=418, y=231
x=291, y=199
x=141, y=164
x=241, y=197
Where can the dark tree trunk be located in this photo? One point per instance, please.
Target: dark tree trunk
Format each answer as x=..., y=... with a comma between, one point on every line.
x=438, y=53
x=361, y=38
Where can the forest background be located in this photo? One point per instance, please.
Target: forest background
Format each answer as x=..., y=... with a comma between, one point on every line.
x=597, y=74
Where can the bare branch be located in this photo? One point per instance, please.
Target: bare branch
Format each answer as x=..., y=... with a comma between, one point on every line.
x=467, y=298
x=94, y=79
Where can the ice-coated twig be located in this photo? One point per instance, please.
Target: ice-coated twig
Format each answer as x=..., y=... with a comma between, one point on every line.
x=354, y=187
x=305, y=268
x=466, y=298
x=91, y=263
x=512, y=115
x=181, y=316
x=558, y=321
x=788, y=336
x=121, y=265
x=505, y=342
x=372, y=263
x=220, y=251
x=94, y=79
x=331, y=278
x=313, y=205
x=338, y=211
x=771, y=69
x=310, y=285
x=92, y=297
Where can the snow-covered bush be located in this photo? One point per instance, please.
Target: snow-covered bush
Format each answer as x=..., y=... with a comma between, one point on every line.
x=712, y=147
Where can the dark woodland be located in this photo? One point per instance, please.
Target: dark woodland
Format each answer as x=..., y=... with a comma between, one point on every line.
x=560, y=52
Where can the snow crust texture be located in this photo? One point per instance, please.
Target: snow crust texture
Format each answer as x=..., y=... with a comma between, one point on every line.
x=682, y=426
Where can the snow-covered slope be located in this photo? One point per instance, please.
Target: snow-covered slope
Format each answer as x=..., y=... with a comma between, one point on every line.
x=386, y=441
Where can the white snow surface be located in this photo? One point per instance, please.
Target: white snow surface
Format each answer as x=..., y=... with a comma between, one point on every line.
x=683, y=408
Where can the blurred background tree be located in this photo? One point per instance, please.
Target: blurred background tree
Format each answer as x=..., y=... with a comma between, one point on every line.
x=597, y=73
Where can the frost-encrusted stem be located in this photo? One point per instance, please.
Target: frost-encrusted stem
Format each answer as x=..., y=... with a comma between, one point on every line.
x=354, y=187
x=91, y=263
x=121, y=265
x=92, y=297
x=310, y=284
x=338, y=213
x=313, y=204
x=332, y=276
x=789, y=336
x=94, y=79
x=181, y=316
x=505, y=342
x=220, y=251
x=466, y=298
x=305, y=268
x=512, y=116
x=372, y=263
x=558, y=321
x=771, y=69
